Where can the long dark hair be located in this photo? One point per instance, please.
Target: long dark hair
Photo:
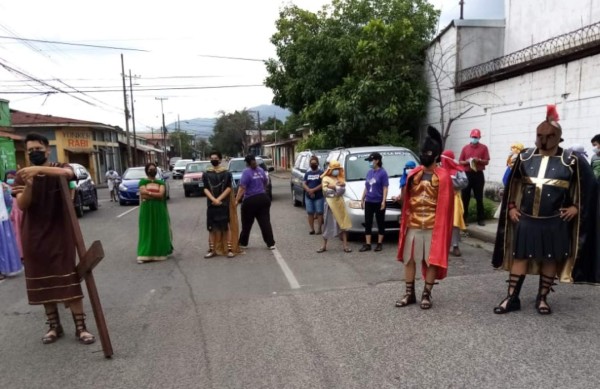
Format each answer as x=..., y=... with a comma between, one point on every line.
x=148, y=167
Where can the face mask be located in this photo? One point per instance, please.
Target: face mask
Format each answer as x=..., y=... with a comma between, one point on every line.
x=10, y=181
x=474, y=141
x=214, y=162
x=37, y=157
x=408, y=171
x=427, y=160
x=371, y=164
x=151, y=172
x=335, y=173
x=596, y=150
x=314, y=166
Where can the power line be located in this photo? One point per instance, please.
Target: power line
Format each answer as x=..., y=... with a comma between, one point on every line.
x=71, y=44
x=137, y=89
x=234, y=58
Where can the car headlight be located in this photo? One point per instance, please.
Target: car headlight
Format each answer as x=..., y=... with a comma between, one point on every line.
x=187, y=179
x=123, y=188
x=354, y=204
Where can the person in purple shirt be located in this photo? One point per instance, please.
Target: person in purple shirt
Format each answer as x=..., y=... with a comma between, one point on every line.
x=256, y=203
x=373, y=200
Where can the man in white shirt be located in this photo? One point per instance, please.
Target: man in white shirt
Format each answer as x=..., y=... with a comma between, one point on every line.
x=111, y=177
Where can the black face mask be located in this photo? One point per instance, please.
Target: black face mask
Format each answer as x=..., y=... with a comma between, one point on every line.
x=151, y=173
x=37, y=157
x=314, y=166
x=427, y=160
x=215, y=163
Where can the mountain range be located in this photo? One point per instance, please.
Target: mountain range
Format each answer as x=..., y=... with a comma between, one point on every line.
x=203, y=127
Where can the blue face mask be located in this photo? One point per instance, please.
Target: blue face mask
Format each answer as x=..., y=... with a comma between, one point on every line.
x=10, y=181
x=335, y=173
x=474, y=141
x=371, y=164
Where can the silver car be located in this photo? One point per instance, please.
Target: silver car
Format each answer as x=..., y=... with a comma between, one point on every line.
x=356, y=168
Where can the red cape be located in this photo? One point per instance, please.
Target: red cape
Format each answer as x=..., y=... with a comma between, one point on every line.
x=442, y=229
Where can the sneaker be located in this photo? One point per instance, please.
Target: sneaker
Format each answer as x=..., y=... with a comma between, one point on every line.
x=210, y=254
x=230, y=254
x=365, y=247
x=456, y=251
x=272, y=247
x=243, y=247
x=379, y=247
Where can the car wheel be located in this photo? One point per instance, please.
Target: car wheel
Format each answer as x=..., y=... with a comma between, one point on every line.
x=295, y=202
x=94, y=203
x=186, y=193
x=121, y=202
x=79, y=207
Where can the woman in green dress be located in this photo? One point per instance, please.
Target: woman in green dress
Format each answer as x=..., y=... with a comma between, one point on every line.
x=154, y=242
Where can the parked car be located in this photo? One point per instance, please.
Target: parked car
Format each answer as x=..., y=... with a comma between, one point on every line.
x=179, y=168
x=172, y=162
x=129, y=188
x=86, y=194
x=356, y=168
x=300, y=167
x=237, y=166
x=192, y=179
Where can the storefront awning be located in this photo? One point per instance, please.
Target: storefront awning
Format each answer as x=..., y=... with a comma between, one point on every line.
x=10, y=135
x=80, y=150
x=149, y=148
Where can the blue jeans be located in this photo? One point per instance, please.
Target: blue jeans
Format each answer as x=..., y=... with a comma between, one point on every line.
x=314, y=205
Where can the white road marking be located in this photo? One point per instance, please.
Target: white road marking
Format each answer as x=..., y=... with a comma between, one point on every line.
x=286, y=270
x=125, y=213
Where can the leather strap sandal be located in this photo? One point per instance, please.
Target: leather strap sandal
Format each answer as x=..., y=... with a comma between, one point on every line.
x=546, y=284
x=511, y=302
x=409, y=297
x=426, y=295
x=81, y=332
x=55, y=330
x=211, y=251
x=230, y=253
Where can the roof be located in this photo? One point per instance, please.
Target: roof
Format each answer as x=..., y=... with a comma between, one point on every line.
x=26, y=119
x=10, y=135
x=493, y=23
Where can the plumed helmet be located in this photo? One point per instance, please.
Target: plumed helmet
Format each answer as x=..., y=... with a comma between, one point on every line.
x=475, y=133
x=432, y=143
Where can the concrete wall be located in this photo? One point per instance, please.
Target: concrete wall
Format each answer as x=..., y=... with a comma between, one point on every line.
x=510, y=110
x=533, y=21
x=479, y=44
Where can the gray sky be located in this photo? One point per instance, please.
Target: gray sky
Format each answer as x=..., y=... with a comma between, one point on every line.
x=174, y=33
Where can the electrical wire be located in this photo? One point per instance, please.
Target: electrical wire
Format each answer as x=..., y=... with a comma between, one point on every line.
x=73, y=44
x=56, y=90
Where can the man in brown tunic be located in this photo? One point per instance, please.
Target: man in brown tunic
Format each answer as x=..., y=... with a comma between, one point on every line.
x=48, y=240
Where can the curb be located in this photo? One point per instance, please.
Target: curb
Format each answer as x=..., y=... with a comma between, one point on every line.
x=485, y=236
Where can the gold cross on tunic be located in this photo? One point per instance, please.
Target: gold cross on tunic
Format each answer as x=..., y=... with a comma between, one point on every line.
x=540, y=181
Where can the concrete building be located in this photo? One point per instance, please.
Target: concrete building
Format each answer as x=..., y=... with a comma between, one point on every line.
x=499, y=75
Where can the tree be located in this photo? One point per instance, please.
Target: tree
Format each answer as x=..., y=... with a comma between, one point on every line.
x=182, y=143
x=272, y=124
x=230, y=132
x=441, y=70
x=354, y=70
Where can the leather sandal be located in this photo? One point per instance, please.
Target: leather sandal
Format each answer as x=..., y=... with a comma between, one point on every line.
x=511, y=302
x=546, y=284
x=81, y=332
x=211, y=251
x=409, y=297
x=426, y=295
x=321, y=250
x=55, y=330
x=230, y=253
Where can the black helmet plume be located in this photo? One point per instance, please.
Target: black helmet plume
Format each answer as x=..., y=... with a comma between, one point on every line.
x=433, y=142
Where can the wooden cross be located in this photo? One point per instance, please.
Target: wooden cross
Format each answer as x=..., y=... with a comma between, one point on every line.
x=88, y=259
x=540, y=181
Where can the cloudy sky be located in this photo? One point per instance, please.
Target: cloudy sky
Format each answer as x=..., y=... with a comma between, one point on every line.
x=172, y=40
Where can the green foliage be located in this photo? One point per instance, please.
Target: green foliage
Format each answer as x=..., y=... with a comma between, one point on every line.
x=354, y=69
x=182, y=144
x=489, y=208
x=314, y=142
x=229, y=133
x=269, y=125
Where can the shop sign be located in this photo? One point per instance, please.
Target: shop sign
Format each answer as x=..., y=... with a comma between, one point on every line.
x=78, y=139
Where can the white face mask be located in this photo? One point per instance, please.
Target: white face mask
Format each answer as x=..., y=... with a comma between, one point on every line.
x=596, y=149
x=408, y=171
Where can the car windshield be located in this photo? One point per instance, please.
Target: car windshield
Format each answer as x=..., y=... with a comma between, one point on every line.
x=182, y=162
x=197, y=167
x=237, y=165
x=393, y=163
x=134, y=174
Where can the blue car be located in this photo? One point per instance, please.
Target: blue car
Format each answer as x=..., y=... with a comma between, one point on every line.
x=237, y=166
x=129, y=188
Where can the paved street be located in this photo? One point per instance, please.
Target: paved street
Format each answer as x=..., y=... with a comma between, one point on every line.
x=292, y=318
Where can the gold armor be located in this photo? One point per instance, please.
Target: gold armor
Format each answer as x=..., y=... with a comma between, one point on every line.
x=423, y=201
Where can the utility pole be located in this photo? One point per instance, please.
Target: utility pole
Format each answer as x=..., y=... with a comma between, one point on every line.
x=259, y=134
x=129, y=162
x=461, y=3
x=164, y=129
x=135, y=161
x=179, y=136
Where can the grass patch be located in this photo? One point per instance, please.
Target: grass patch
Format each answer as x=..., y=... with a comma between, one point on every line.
x=489, y=208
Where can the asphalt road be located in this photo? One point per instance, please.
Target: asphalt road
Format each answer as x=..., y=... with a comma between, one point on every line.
x=292, y=318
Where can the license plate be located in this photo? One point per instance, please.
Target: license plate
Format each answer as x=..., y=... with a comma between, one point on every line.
x=137, y=193
x=201, y=185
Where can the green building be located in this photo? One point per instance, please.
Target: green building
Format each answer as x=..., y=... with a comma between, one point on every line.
x=7, y=145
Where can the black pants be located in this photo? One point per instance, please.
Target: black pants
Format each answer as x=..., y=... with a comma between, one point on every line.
x=374, y=209
x=476, y=183
x=257, y=207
